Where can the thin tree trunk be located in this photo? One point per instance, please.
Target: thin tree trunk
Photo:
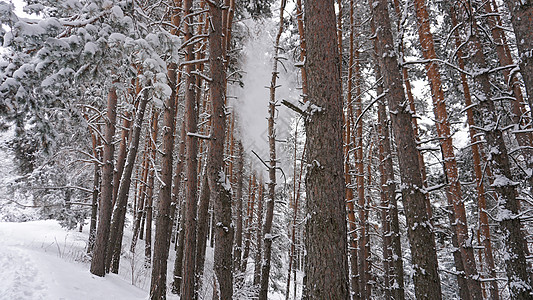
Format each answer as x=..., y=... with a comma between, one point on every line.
x=259, y=236
x=137, y=230
x=518, y=110
x=96, y=191
x=384, y=192
x=392, y=224
x=269, y=216
x=327, y=265
x=150, y=191
x=420, y=232
x=238, y=199
x=106, y=199
x=178, y=263
x=295, y=197
x=121, y=154
x=94, y=207
x=250, y=213
x=355, y=278
x=303, y=46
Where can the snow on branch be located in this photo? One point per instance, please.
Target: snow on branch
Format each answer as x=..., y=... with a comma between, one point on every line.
x=200, y=136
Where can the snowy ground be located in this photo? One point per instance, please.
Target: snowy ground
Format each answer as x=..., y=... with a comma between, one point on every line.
x=40, y=260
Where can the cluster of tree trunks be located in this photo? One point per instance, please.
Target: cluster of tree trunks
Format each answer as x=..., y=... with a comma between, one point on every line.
x=338, y=200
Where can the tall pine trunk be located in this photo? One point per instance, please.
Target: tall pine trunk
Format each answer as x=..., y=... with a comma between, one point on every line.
x=327, y=267
x=218, y=181
x=189, y=280
x=420, y=231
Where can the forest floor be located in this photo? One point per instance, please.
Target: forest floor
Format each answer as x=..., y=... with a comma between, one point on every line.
x=41, y=260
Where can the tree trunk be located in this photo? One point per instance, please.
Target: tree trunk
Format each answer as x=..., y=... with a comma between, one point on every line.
x=453, y=193
x=513, y=239
x=178, y=263
x=94, y=207
x=480, y=188
x=249, y=218
x=158, y=286
x=523, y=137
x=410, y=97
x=203, y=222
x=106, y=199
x=150, y=190
x=388, y=185
x=259, y=237
x=137, y=230
x=218, y=182
x=269, y=216
x=420, y=232
x=96, y=191
x=238, y=199
x=327, y=266
x=117, y=226
x=121, y=155
x=189, y=280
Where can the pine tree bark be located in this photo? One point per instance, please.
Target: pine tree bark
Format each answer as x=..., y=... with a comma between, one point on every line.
x=327, y=266
x=150, y=190
x=117, y=226
x=354, y=67
x=179, y=176
x=392, y=224
x=249, y=218
x=239, y=166
x=106, y=199
x=97, y=152
x=137, y=230
x=218, y=181
x=158, y=286
x=203, y=222
x=410, y=97
x=420, y=232
x=189, y=280
x=122, y=153
x=523, y=137
x=258, y=263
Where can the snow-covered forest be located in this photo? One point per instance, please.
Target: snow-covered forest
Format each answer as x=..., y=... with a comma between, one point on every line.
x=266, y=149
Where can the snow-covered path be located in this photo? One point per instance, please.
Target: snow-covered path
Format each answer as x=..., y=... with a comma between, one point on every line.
x=40, y=260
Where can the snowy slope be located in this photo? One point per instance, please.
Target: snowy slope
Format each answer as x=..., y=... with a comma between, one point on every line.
x=40, y=260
